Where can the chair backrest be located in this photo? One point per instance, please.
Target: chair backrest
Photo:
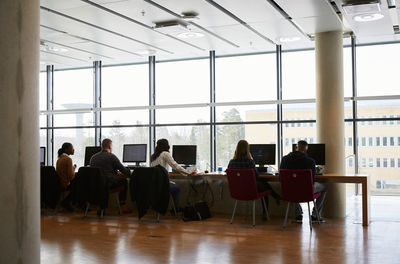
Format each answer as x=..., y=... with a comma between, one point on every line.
x=242, y=184
x=91, y=186
x=50, y=186
x=149, y=187
x=297, y=185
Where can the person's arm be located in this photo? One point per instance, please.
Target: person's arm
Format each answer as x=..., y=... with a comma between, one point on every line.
x=313, y=170
x=171, y=162
x=283, y=163
x=118, y=165
x=70, y=170
x=252, y=165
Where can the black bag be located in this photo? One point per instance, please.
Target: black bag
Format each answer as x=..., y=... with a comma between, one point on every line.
x=196, y=212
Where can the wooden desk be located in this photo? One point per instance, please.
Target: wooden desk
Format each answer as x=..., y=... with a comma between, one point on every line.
x=363, y=179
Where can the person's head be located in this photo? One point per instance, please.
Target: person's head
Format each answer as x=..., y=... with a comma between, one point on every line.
x=106, y=144
x=242, y=150
x=302, y=146
x=161, y=146
x=66, y=148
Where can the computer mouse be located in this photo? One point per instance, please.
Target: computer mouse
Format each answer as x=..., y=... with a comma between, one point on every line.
x=206, y=171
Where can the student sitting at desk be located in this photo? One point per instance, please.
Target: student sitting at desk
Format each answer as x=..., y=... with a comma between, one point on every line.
x=163, y=158
x=300, y=160
x=242, y=159
x=66, y=171
x=111, y=165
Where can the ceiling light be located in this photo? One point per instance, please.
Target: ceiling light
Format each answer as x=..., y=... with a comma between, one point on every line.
x=56, y=49
x=146, y=52
x=289, y=39
x=367, y=17
x=190, y=35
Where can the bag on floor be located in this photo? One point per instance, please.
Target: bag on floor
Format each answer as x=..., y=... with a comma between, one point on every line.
x=196, y=212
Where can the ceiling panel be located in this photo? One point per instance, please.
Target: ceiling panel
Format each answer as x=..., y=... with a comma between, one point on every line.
x=81, y=43
x=312, y=16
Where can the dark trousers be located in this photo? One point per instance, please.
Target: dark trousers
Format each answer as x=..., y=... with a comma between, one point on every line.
x=119, y=182
x=262, y=186
x=175, y=191
x=70, y=188
x=318, y=187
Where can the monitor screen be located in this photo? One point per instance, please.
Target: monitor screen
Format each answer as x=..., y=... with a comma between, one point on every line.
x=89, y=152
x=42, y=156
x=184, y=154
x=134, y=153
x=315, y=151
x=263, y=154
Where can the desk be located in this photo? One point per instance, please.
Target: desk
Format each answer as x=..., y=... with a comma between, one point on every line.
x=363, y=179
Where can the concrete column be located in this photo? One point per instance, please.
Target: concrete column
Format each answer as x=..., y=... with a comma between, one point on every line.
x=19, y=132
x=330, y=114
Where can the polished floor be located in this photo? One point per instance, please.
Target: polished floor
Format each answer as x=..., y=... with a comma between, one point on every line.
x=68, y=238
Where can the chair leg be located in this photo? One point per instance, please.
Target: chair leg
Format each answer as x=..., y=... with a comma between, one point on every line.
x=286, y=215
x=309, y=215
x=158, y=217
x=173, y=205
x=254, y=213
x=265, y=208
x=234, y=210
x=87, y=209
x=119, y=205
x=316, y=210
x=102, y=213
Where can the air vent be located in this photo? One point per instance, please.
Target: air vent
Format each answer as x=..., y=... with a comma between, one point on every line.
x=172, y=27
x=353, y=7
x=396, y=29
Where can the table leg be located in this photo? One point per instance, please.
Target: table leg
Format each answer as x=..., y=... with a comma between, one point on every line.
x=366, y=205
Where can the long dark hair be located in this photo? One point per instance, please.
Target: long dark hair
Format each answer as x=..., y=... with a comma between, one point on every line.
x=162, y=145
x=242, y=150
x=64, y=148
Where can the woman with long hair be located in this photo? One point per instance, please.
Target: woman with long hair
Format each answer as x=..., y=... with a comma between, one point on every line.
x=242, y=159
x=66, y=171
x=162, y=157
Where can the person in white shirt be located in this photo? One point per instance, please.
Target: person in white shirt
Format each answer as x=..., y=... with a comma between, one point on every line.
x=163, y=158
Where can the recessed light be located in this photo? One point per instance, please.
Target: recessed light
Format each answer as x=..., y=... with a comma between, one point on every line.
x=56, y=49
x=289, y=39
x=190, y=34
x=146, y=52
x=368, y=17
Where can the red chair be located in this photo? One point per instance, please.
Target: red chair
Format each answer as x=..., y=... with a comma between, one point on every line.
x=298, y=187
x=116, y=191
x=243, y=187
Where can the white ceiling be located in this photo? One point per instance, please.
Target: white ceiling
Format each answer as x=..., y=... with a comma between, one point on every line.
x=78, y=32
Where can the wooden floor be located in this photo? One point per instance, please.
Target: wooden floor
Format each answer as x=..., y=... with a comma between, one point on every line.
x=68, y=238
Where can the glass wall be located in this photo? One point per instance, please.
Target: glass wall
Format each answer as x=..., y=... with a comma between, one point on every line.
x=241, y=83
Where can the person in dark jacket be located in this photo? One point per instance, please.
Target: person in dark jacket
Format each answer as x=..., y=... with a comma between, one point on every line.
x=242, y=159
x=111, y=167
x=300, y=160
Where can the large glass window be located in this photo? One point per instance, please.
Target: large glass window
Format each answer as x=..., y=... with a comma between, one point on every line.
x=298, y=75
x=377, y=70
x=123, y=135
x=246, y=78
x=189, y=135
x=73, y=89
x=183, y=82
x=80, y=138
x=229, y=135
x=125, y=85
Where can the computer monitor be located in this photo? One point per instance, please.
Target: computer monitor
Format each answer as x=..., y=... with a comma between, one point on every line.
x=263, y=154
x=315, y=151
x=184, y=154
x=42, y=156
x=89, y=152
x=134, y=153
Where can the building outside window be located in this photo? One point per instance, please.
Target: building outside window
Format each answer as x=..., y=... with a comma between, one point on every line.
x=378, y=162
